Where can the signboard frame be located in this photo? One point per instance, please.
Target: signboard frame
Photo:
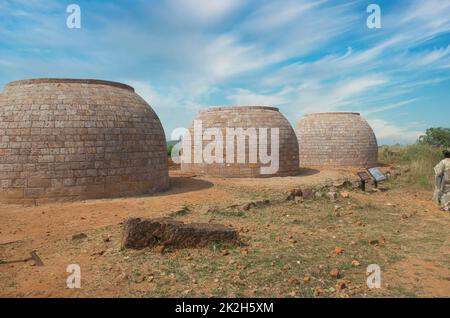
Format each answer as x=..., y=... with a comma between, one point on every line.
x=376, y=174
x=364, y=176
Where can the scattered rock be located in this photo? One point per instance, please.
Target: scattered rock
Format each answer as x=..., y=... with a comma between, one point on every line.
x=293, y=281
x=332, y=196
x=187, y=291
x=318, y=291
x=98, y=253
x=252, y=205
x=160, y=249
x=341, y=285
x=299, y=195
x=374, y=242
x=336, y=209
x=355, y=263
x=334, y=273
x=244, y=251
x=249, y=206
x=138, y=233
x=345, y=195
x=262, y=203
x=343, y=184
x=299, y=200
x=306, y=279
x=294, y=193
x=309, y=194
x=338, y=250
x=80, y=236
x=122, y=277
x=140, y=279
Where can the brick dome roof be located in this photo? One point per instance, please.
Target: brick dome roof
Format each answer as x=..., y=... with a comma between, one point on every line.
x=336, y=139
x=247, y=117
x=78, y=139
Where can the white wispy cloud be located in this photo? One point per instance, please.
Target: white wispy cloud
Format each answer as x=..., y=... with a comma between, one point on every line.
x=200, y=11
x=383, y=108
x=429, y=57
x=182, y=55
x=396, y=133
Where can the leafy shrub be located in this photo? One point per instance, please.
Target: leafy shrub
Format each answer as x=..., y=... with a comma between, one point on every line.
x=169, y=150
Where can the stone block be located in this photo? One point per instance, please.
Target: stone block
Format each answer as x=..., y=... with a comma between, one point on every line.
x=139, y=234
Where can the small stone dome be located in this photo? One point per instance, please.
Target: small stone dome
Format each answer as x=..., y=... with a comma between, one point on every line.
x=246, y=117
x=78, y=139
x=336, y=139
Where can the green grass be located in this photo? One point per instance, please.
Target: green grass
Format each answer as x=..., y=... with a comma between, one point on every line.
x=185, y=210
x=227, y=212
x=418, y=160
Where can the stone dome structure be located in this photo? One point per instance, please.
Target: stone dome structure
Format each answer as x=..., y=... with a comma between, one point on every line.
x=259, y=118
x=336, y=139
x=78, y=139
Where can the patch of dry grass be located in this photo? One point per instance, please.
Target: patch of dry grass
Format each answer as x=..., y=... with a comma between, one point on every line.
x=287, y=250
x=420, y=159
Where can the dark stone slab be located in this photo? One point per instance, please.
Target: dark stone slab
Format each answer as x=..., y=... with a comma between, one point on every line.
x=141, y=233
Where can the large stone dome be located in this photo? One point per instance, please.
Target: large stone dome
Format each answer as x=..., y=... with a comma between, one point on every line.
x=336, y=139
x=246, y=117
x=78, y=139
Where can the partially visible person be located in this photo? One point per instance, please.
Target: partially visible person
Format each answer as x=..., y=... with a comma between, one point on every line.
x=442, y=190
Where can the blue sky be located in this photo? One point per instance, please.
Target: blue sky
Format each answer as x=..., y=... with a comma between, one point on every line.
x=300, y=55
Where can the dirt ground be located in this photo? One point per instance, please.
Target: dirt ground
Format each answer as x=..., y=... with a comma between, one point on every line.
x=288, y=249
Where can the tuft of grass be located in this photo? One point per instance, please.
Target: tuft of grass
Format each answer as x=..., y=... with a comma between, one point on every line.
x=227, y=213
x=185, y=210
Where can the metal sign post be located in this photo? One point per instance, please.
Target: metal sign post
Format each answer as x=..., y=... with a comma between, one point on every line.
x=364, y=177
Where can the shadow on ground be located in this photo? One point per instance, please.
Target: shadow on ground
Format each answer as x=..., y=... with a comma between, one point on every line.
x=186, y=184
x=307, y=172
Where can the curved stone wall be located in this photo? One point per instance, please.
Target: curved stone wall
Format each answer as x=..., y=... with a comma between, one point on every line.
x=246, y=117
x=78, y=139
x=336, y=139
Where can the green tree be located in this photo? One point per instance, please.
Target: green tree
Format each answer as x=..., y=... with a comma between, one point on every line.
x=439, y=137
x=169, y=149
